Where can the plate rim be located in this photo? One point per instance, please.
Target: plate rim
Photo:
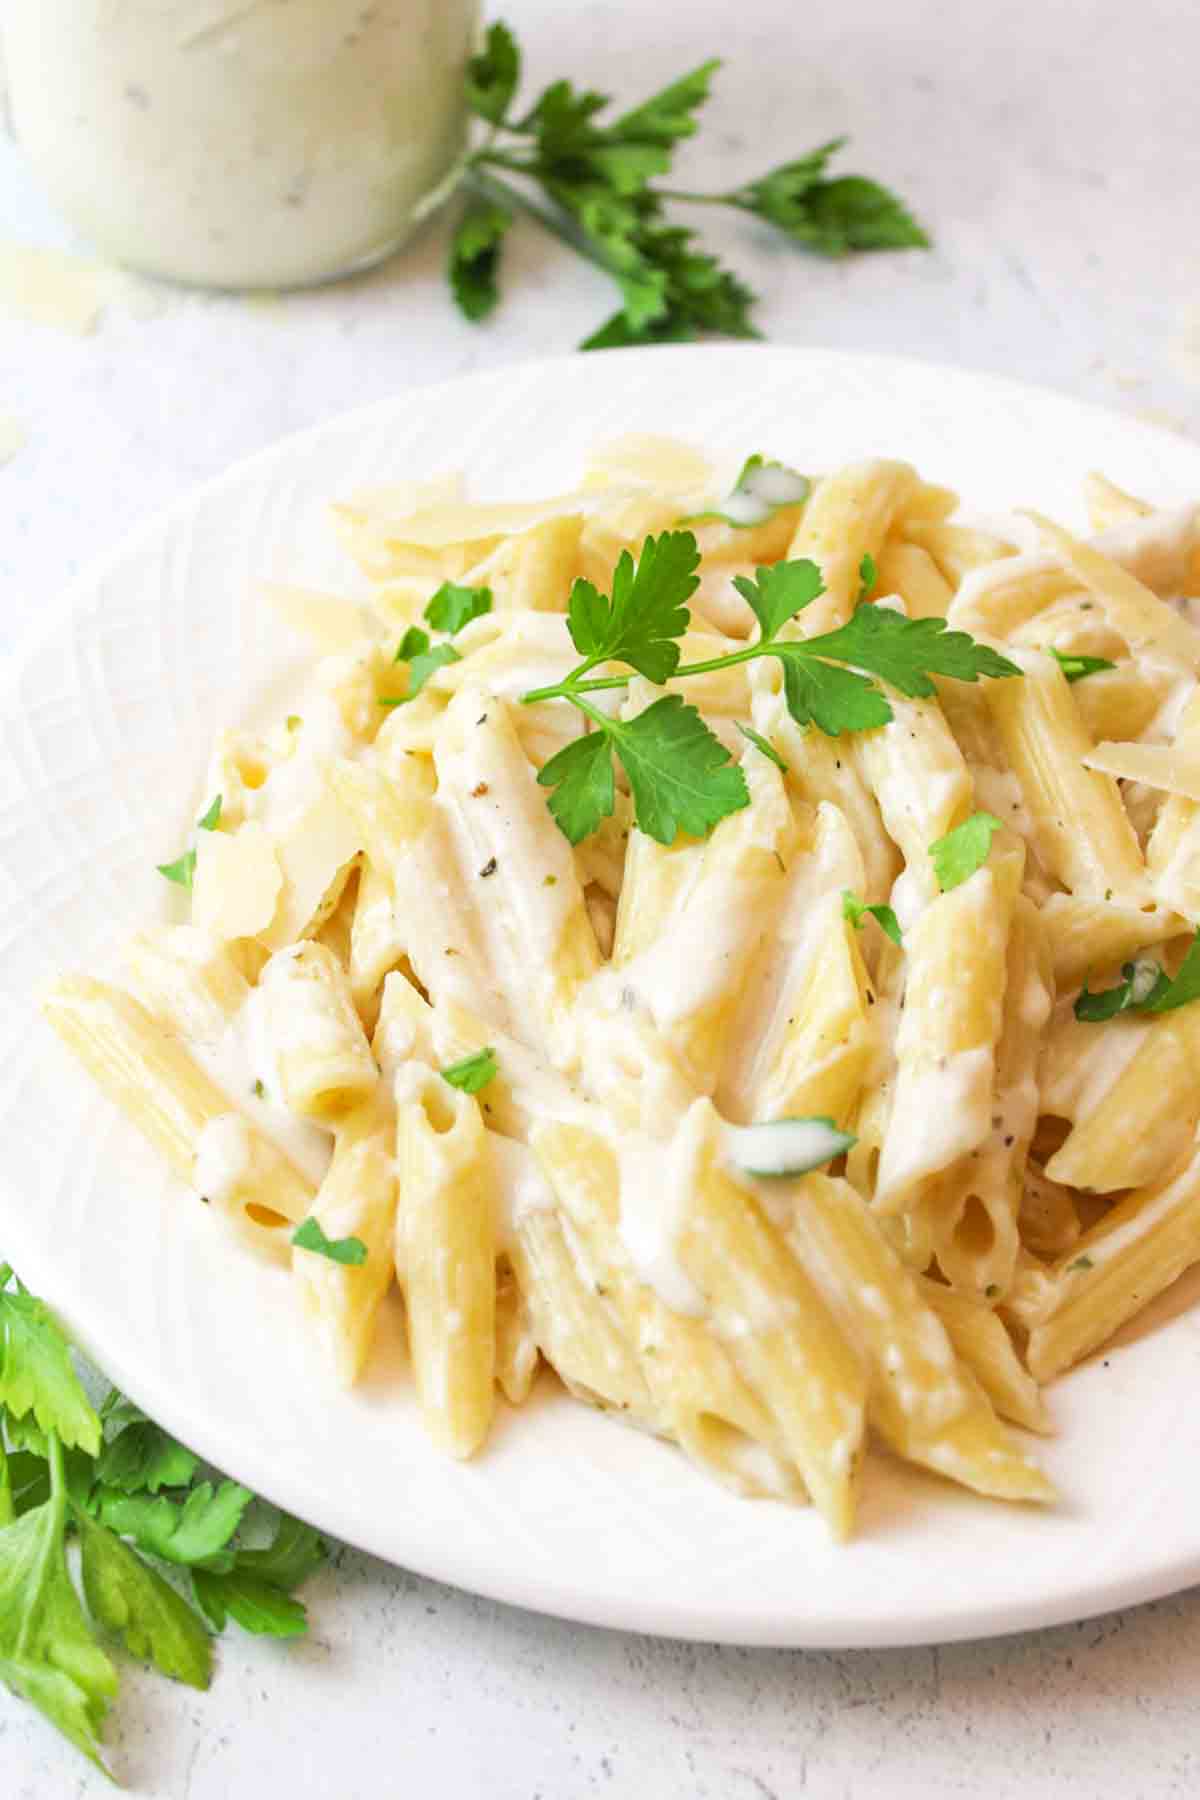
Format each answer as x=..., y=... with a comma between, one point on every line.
x=1085, y=1596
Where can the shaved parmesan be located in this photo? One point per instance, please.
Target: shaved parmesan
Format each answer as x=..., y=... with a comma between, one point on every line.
x=314, y=855
x=237, y=880
x=329, y=622
x=645, y=460
x=1158, y=765
x=50, y=287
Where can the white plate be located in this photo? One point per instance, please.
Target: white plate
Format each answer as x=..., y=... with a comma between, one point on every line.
x=104, y=732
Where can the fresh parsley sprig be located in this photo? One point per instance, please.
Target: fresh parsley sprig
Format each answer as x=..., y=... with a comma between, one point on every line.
x=593, y=182
x=1146, y=987
x=130, y=1495
x=681, y=776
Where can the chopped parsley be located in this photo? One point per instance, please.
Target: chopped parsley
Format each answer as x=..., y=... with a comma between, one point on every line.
x=182, y=871
x=471, y=1074
x=351, y=1252
x=856, y=911
x=452, y=607
x=962, y=851
x=1144, y=987
x=1076, y=668
x=761, y=743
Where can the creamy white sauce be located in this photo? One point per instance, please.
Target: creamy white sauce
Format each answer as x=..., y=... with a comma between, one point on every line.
x=518, y=1186
x=940, y=1112
x=240, y=143
x=1090, y=1062
x=761, y=492
x=494, y=813
x=223, y=1157
x=657, y=1183
x=999, y=792
x=782, y=1146
x=1112, y=1243
x=246, y=1055
x=910, y=895
x=297, y=780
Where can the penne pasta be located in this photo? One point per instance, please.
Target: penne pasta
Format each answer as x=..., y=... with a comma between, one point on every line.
x=859, y=1116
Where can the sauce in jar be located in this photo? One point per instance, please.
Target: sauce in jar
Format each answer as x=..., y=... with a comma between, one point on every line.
x=241, y=143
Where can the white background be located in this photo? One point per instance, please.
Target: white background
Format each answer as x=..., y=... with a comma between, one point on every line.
x=1053, y=147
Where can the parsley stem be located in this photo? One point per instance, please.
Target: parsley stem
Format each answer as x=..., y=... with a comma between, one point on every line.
x=593, y=713
x=504, y=194
x=58, y=1475
x=573, y=687
x=688, y=199
x=567, y=690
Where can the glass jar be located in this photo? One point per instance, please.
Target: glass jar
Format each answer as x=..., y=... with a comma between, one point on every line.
x=240, y=143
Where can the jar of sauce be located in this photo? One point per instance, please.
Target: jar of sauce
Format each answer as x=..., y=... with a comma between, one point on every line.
x=240, y=143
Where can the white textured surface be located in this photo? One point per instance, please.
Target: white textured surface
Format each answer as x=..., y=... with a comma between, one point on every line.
x=1052, y=150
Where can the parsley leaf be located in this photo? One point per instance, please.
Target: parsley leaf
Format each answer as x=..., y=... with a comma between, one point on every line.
x=474, y=262
x=452, y=606
x=256, y=1590
x=905, y=652
x=37, y=1376
x=668, y=115
x=294, y=1552
x=422, y=661
x=132, y=1600
x=351, y=1252
x=760, y=743
x=26, y=1480
x=762, y=488
x=868, y=575
x=830, y=216
x=415, y=642
x=209, y=819
x=647, y=611
x=194, y=1532
x=833, y=699
x=493, y=74
x=777, y=594
x=139, y=1455
x=1145, y=987
x=181, y=871
x=257, y=1605
x=681, y=775
x=1076, y=668
x=791, y=1146
x=856, y=911
x=472, y=1073
x=47, y=1653
x=1184, y=988
x=962, y=851
x=581, y=775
